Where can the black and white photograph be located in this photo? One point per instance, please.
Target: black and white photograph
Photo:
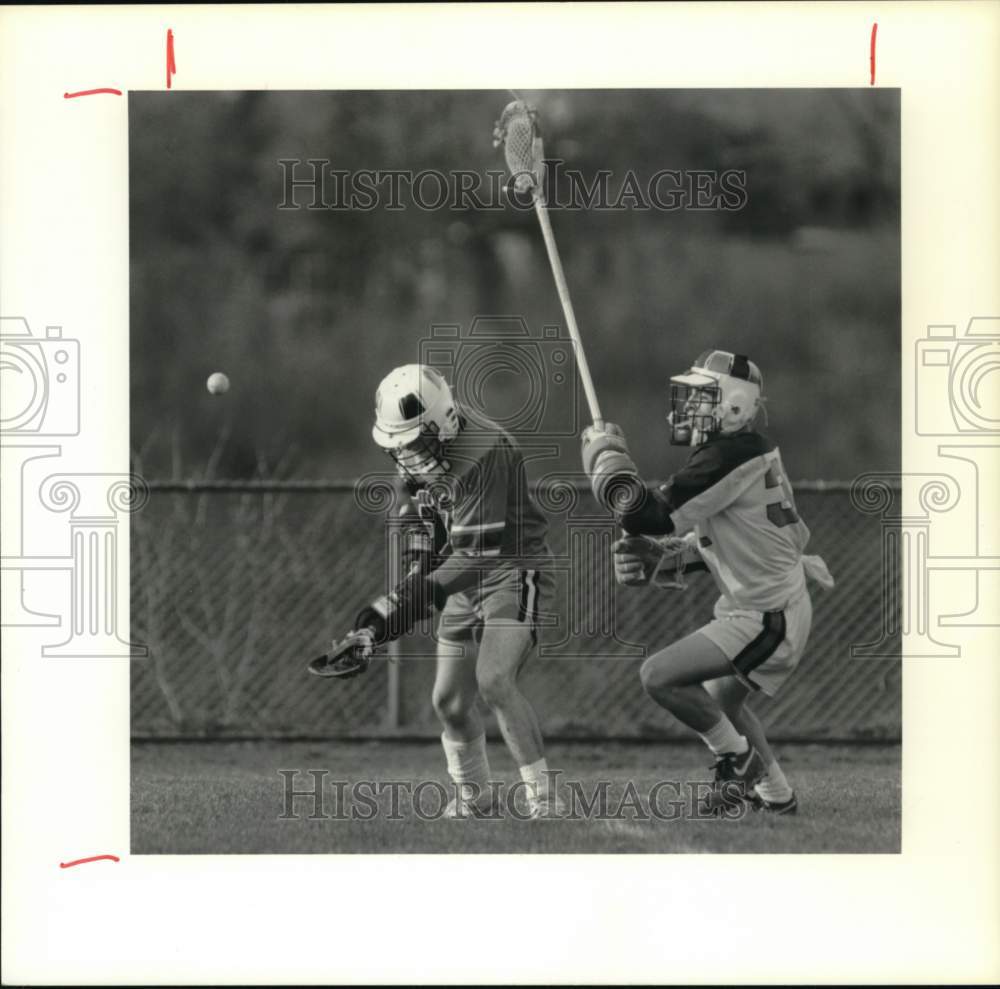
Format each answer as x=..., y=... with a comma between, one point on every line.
x=500, y=493
x=507, y=458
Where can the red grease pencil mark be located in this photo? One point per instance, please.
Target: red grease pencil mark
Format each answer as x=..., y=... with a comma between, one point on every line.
x=92, y=92
x=93, y=858
x=171, y=64
x=874, y=32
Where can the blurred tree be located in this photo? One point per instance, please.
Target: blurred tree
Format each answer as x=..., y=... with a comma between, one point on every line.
x=305, y=309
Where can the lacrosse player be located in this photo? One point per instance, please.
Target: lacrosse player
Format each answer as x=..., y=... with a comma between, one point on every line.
x=729, y=510
x=474, y=546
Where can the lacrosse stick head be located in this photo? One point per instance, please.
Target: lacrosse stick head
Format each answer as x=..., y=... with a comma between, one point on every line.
x=669, y=572
x=342, y=667
x=348, y=658
x=519, y=132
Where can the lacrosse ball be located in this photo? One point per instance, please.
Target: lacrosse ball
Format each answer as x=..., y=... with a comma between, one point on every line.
x=218, y=383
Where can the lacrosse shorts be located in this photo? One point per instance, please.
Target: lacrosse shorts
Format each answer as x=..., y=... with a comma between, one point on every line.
x=504, y=597
x=764, y=647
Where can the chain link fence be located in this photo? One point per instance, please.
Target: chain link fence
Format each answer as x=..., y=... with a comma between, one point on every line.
x=235, y=587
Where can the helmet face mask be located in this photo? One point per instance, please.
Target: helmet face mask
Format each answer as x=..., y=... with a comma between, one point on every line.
x=692, y=415
x=415, y=418
x=719, y=395
x=422, y=460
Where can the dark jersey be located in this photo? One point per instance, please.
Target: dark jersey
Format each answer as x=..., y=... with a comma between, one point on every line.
x=483, y=509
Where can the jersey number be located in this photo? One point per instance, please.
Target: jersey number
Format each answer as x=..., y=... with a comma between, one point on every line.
x=779, y=513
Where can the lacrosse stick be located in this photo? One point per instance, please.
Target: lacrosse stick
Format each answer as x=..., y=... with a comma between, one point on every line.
x=347, y=658
x=518, y=131
x=352, y=655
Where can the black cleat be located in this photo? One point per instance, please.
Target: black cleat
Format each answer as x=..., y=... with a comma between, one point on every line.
x=789, y=806
x=736, y=774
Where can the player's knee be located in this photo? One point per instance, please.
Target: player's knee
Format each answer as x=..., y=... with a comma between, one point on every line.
x=496, y=687
x=654, y=674
x=729, y=694
x=450, y=705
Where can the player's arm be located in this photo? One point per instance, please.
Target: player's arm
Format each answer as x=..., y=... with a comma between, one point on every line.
x=475, y=540
x=421, y=538
x=417, y=595
x=390, y=616
x=394, y=614
x=713, y=478
x=385, y=619
x=654, y=513
x=615, y=481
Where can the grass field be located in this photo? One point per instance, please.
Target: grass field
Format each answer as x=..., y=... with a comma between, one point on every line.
x=227, y=797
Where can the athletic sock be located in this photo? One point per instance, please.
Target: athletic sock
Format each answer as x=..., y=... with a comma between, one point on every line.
x=536, y=778
x=772, y=786
x=467, y=763
x=723, y=738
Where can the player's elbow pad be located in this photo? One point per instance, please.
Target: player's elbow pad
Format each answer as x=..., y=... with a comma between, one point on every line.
x=614, y=478
x=416, y=552
x=616, y=484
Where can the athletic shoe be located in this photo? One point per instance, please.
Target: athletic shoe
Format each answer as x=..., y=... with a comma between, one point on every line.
x=789, y=806
x=460, y=808
x=547, y=808
x=735, y=775
x=743, y=767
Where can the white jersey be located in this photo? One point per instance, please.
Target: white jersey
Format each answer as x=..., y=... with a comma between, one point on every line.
x=734, y=496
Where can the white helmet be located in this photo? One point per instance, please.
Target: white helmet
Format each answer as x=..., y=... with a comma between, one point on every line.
x=415, y=416
x=718, y=395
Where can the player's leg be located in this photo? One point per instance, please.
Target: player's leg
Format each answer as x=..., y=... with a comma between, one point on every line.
x=675, y=678
x=509, y=639
x=455, y=691
x=454, y=698
x=773, y=791
x=505, y=647
x=733, y=697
